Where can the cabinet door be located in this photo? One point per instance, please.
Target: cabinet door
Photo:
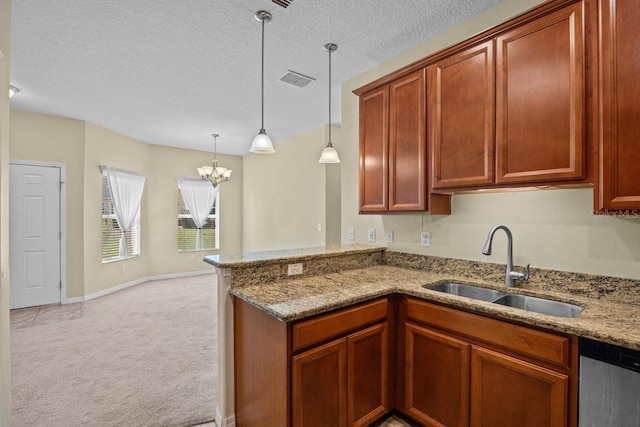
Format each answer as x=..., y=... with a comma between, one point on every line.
x=436, y=378
x=368, y=374
x=408, y=144
x=619, y=186
x=461, y=117
x=540, y=99
x=374, y=150
x=510, y=392
x=319, y=386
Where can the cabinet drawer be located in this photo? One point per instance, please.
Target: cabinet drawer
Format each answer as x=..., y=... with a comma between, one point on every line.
x=321, y=328
x=544, y=346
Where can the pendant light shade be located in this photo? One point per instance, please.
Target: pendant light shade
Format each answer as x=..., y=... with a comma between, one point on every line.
x=13, y=90
x=262, y=143
x=329, y=154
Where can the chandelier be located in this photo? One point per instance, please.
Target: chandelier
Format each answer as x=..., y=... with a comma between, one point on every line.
x=214, y=173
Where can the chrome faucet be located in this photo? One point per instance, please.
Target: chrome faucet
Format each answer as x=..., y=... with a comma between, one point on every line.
x=511, y=275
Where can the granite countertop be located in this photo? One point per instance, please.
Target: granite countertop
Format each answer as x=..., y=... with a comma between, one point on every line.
x=604, y=319
x=249, y=259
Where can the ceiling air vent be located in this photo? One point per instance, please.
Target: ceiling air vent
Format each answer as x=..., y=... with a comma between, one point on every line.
x=283, y=3
x=296, y=79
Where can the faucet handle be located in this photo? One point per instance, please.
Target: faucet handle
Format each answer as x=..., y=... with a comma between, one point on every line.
x=520, y=276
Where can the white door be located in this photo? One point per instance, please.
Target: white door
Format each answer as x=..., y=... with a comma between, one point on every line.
x=34, y=218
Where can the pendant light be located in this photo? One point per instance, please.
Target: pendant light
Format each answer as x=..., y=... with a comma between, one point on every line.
x=329, y=154
x=262, y=143
x=214, y=173
x=13, y=90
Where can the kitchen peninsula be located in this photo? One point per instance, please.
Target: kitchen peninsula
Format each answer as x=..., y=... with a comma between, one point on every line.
x=346, y=290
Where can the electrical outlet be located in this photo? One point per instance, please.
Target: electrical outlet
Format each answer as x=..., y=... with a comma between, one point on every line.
x=294, y=269
x=319, y=226
x=372, y=234
x=389, y=235
x=425, y=239
x=351, y=233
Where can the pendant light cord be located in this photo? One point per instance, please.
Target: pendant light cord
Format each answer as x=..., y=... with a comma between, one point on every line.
x=330, y=145
x=262, y=83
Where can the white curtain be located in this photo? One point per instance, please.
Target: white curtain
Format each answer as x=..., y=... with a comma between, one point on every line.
x=126, y=193
x=199, y=196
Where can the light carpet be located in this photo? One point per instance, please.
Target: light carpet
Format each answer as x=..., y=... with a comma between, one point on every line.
x=143, y=356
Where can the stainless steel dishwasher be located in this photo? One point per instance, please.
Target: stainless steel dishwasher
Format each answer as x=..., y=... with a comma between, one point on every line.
x=609, y=385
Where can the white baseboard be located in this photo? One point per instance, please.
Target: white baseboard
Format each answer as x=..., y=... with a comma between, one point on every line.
x=221, y=421
x=134, y=283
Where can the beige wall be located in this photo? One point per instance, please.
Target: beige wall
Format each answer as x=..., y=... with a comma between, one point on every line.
x=284, y=195
x=552, y=229
x=167, y=165
x=104, y=147
x=83, y=147
x=5, y=367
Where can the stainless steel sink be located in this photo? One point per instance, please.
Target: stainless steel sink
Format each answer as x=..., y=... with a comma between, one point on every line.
x=540, y=305
x=523, y=302
x=474, y=292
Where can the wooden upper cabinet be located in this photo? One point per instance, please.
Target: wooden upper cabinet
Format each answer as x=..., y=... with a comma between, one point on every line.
x=374, y=150
x=407, y=143
x=618, y=186
x=461, y=118
x=540, y=99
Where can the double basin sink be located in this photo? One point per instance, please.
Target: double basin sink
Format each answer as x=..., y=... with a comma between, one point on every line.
x=537, y=305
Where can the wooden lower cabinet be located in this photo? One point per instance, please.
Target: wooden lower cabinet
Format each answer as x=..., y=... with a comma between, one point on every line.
x=450, y=368
x=464, y=369
x=506, y=391
x=328, y=370
x=320, y=386
x=344, y=382
x=437, y=377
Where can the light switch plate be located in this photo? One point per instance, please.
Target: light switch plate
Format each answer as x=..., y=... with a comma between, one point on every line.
x=351, y=233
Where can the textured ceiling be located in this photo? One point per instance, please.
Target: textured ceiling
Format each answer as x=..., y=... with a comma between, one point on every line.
x=171, y=72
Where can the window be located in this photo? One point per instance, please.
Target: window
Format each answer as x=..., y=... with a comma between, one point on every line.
x=111, y=231
x=188, y=231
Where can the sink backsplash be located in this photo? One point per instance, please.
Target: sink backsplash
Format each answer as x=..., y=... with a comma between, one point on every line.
x=612, y=288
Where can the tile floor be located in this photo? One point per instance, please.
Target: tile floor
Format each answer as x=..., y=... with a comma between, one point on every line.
x=392, y=421
x=41, y=315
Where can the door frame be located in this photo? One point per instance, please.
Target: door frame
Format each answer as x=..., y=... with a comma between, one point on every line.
x=63, y=217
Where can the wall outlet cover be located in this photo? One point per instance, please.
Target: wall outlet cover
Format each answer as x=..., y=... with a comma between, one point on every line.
x=351, y=233
x=425, y=239
x=294, y=269
x=372, y=235
x=389, y=235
